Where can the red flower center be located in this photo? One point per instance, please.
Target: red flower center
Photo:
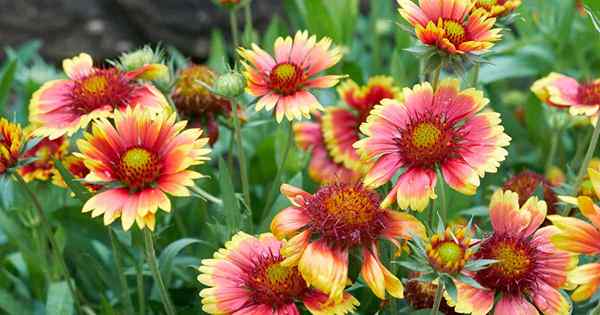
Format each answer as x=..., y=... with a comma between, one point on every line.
x=286, y=78
x=515, y=271
x=526, y=183
x=589, y=94
x=274, y=284
x=138, y=168
x=346, y=215
x=455, y=31
x=427, y=141
x=103, y=87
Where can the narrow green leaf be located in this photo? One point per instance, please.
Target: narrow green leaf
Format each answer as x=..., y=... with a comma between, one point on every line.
x=450, y=287
x=6, y=79
x=231, y=207
x=60, y=301
x=468, y=280
x=475, y=265
x=167, y=256
x=218, y=52
x=413, y=265
x=78, y=189
x=11, y=305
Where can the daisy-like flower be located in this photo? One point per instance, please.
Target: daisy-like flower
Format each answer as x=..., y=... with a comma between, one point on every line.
x=322, y=228
x=76, y=166
x=497, y=8
x=248, y=277
x=444, y=128
x=283, y=82
x=529, y=270
x=196, y=103
x=322, y=168
x=581, y=237
x=565, y=92
x=64, y=106
x=43, y=154
x=449, y=251
x=341, y=125
x=12, y=140
x=451, y=25
x=526, y=183
x=142, y=157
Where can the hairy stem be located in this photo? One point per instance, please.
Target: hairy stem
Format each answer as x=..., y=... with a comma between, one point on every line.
x=153, y=264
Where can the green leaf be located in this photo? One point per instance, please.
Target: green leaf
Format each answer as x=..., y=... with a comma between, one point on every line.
x=478, y=211
x=413, y=265
x=468, y=280
x=11, y=305
x=450, y=287
x=6, y=79
x=60, y=301
x=218, y=52
x=231, y=207
x=274, y=30
x=475, y=265
x=78, y=189
x=166, y=258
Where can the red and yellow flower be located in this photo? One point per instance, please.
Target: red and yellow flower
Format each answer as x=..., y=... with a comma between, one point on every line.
x=76, y=166
x=248, y=277
x=565, y=92
x=451, y=25
x=497, y=8
x=444, y=129
x=62, y=107
x=529, y=270
x=143, y=157
x=449, y=251
x=581, y=237
x=322, y=228
x=283, y=82
x=43, y=155
x=12, y=139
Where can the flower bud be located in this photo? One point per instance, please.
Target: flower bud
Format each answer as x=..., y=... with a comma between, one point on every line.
x=230, y=84
x=148, y=59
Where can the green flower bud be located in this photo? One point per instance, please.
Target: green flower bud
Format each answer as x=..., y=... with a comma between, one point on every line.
x=136, y=59
x=230, y=84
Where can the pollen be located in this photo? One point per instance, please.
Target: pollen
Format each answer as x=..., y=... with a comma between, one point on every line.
x=274, y=284
x=95, y=84
x=138, y=167
x=512, y=261
x=286, y=78
x=425, y=135
x=350, y=205
x=427, y=141
x=103, y=87
x=589, y=94
x=455, y=31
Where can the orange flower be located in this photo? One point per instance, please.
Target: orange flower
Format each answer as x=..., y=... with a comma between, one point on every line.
x=142, y=157
x=497, y=8
x=12, y=140
x=284, y=82
x=43, y=154
x=62, y=107
x=450, y=25
x=76, y=166
x=325, y=226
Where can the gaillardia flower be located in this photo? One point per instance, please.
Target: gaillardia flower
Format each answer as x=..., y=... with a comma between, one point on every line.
x=284, y=82
x=496, y=8
x=529, y=269
x=526, y=183
x=581, y=237
x=444, y=128
x=247, y=277
x=449, y=251
x=322, y=168
x=12, y=140
x=421, y=295
x=43, y=154
x=565, y=92
x=76, y=166
x=451, y=25
x=142, y=157
x=323, y=228
x=62, y=107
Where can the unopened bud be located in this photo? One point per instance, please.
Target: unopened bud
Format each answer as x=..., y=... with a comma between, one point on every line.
x=230, y=84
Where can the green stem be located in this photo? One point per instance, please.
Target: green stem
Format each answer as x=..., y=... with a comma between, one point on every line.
x=475, y=78
x=553, y=147
x=249, y=28
x=436, y=76
x=581, y=148
x=153, y=264
x=55, y=248
x=235, y=36
x=275, y=186
x=439, y=292
x=139, y=270
x=442, y=191
x=588, y=156
x=241, y=153
x=206, y=195
x=122, y=280
x=375, y=40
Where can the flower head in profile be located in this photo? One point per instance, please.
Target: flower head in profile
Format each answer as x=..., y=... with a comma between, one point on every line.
x=76, y=167
x=451, y=25
x=42, y=157
x=529, y=270
x=62, y=107
x=323, y=227
x=142, y=157
x=248, y=277
x=444, y=129
x=526, y=183
x=582, y=237
x=580, y=98
x=12, y=141
x=283, y=82
x=497, y=8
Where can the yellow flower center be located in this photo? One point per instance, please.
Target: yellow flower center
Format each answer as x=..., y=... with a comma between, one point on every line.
x=425, y=135
x=286, y=78
x=512, y=261
x=455, y=31
x=277, y=273
x=274, y=284
x=95, y=84
x=351, y=206
x=138, y=167
x=450, y=253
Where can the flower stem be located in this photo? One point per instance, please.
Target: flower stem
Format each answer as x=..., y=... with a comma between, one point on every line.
x=588, y=156
x=153, y=264
x=241, y=153
x=275, y=186
x=140, y=288
x=233, y=22
x=204, y=194
x=55, y=248
x=438, y=298
x=122, y=279
x=475, y=78
x=249, y=28
x=442, y=190
x=553, y=147
x=436, y=76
